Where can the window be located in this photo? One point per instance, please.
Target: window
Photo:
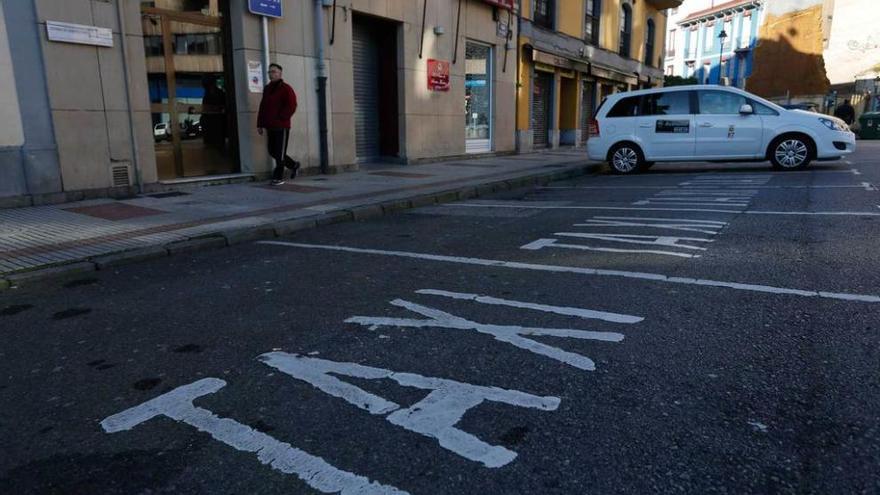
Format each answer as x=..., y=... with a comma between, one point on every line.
x=709, y=36
x=544, y=13
x=153, y=45
x=591, y=21
x=721, y=103
x=669, y=103
x=745, y=35
x=649, y=43
x=761, y=109
x=625, y=30
x=670, y=43
x=627, y=107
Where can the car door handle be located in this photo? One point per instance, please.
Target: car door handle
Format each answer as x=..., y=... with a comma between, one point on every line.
x=646, y=125
x=706, y=124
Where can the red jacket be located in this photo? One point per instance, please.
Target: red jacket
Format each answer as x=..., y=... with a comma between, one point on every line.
x=277, y=107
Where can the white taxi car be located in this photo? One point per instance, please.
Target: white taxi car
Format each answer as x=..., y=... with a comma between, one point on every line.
x=633, y=130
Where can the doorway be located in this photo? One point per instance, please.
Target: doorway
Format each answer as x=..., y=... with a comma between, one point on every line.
x=478, y=95
x=186, y=45
x=374, y=54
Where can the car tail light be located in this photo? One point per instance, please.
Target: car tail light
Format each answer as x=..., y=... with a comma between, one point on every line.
x=594, y=127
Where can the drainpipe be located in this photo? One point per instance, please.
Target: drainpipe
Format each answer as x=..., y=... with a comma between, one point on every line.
x=135, y=163
x=321, y=72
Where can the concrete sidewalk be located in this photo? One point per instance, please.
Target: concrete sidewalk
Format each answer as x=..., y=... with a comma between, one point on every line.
x=49, y=241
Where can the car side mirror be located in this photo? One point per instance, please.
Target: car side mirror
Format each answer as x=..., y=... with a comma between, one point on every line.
x=746, y=109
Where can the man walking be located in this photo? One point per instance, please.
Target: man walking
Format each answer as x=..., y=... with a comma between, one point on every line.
x=846, y=113
x=276, y=108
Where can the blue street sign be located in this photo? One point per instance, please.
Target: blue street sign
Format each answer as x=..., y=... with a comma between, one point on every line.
x=268, y=8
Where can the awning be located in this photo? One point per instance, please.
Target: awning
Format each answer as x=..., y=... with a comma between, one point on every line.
x=504, y=4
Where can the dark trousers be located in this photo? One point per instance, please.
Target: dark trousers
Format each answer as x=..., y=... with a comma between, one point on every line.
x=277, y=146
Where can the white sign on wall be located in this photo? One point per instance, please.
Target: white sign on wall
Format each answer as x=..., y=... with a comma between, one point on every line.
x=79, y=33
x=255, y=76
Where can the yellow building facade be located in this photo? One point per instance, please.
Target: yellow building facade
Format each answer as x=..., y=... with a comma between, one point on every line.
x=573, y=53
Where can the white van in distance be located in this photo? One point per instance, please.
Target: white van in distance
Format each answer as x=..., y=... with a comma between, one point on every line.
x=633, y=130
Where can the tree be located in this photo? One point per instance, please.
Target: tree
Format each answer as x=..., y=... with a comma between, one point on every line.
x=678, y=80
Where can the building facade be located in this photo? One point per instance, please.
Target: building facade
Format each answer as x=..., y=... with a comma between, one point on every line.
x=831, y=52
x=573, y=53
x=696, y=48
x=112, y=97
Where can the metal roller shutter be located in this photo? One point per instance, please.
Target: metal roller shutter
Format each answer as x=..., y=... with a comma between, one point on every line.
x=587, y=95
x=541, y=99
x=365, y=51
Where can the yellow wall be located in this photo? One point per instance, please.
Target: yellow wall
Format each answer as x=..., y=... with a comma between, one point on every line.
x=610, y=28
x=523, y=88
x=570, y=17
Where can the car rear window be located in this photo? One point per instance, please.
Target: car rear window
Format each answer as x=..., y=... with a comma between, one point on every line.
x=627, y=107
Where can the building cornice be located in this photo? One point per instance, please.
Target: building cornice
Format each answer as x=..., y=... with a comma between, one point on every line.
x=720, y=11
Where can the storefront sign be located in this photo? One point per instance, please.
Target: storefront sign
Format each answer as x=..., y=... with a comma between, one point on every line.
x=438, y=75
x=550, y=59
x=255, y=76
x=78, y=33
x=268, y=8
x=504, y=4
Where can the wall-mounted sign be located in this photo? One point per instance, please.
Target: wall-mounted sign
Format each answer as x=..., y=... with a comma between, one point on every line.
x=501, y=29
x=255, y=76
x=79, y=33
x=268, y=8
x=438, y=75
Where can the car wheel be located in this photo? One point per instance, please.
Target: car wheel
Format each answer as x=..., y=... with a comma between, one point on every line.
x=626, y=158
x=790, y=153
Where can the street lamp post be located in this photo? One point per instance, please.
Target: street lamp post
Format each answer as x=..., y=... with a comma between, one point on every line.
x=721, y=37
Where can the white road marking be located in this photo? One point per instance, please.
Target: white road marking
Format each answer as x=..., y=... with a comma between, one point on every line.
x=560, y=310
x=655, y=277
x=683, y=225
x=663, y=240
x=695, y=203
x=512, y=334
x=545, y=243
x=697, y=210
x=856, y=172
x=868, y=186
x=726, y=188
x=740, y=194
x=178, y=405
x=434, y=416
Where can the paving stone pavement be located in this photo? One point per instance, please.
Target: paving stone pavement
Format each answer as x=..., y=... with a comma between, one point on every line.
x=40, y=242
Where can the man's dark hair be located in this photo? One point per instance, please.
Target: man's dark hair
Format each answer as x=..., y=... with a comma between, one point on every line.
x=277, y=67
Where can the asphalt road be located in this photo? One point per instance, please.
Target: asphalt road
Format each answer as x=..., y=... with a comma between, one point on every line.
x=702, y=328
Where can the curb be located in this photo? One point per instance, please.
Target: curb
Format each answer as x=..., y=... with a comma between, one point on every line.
x=284, y=227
